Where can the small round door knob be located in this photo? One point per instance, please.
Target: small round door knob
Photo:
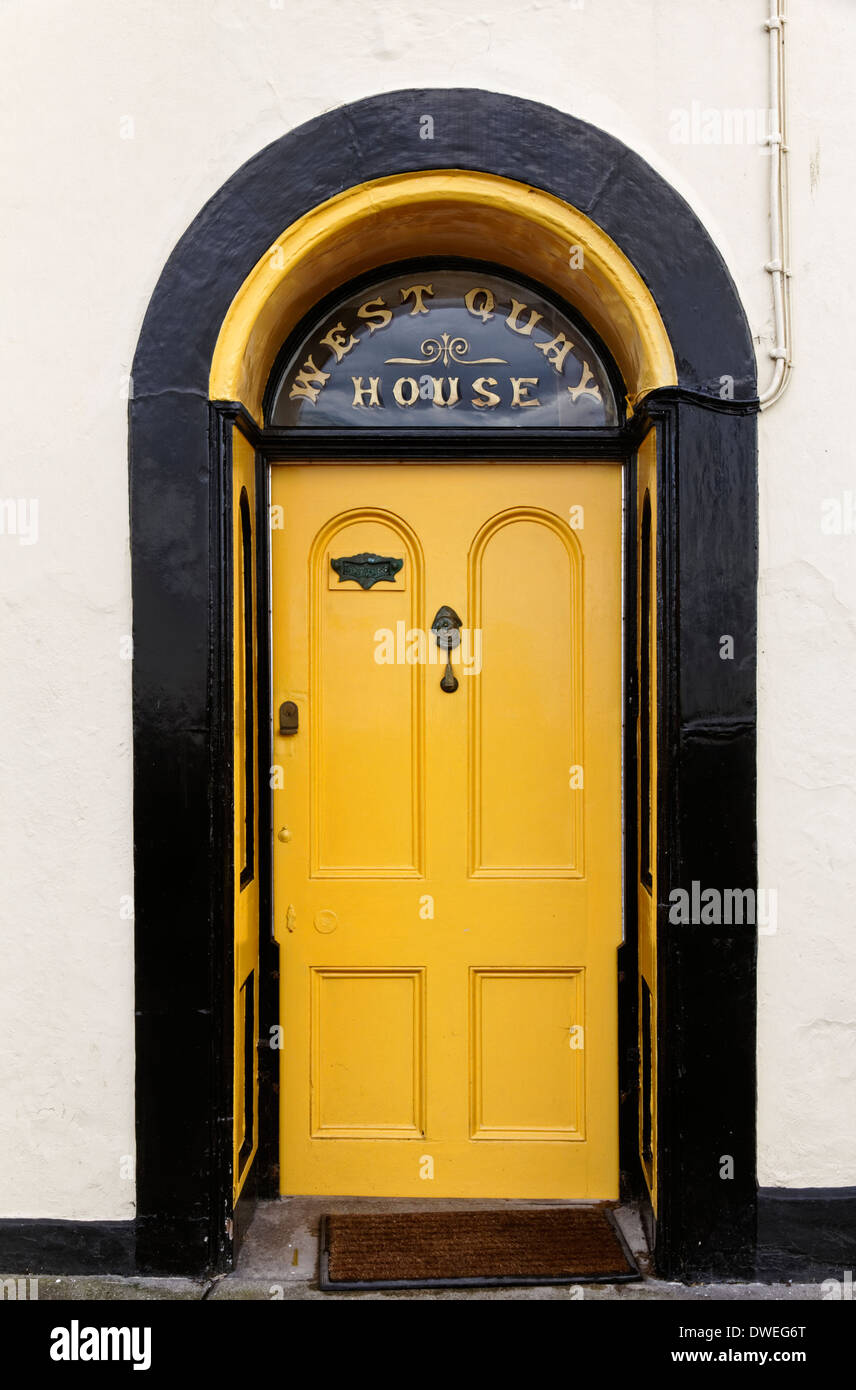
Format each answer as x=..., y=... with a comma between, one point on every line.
x=284, y=835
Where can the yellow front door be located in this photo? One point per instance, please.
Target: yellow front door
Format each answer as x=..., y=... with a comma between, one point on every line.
x=447, y=864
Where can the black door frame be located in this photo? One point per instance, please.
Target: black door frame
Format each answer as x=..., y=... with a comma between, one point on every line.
x=180, y=463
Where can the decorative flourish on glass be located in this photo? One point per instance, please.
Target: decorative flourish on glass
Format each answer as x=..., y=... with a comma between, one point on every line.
x=450, y=350
x=444, y=347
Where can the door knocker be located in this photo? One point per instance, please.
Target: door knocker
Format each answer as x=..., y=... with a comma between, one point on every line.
x=446, y=627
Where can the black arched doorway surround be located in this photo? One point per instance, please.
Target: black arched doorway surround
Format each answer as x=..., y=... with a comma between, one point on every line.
x=707, y=544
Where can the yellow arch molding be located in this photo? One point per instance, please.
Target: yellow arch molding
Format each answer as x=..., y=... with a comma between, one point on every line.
x=439, y=212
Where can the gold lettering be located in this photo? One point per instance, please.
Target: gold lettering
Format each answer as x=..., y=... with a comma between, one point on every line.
x=372, y=391
x=556, y=351
x=520, y=389
x=368, y=312
x=412, y=389
x=586, y=386
x=417, y=291
x=517, y=308
x=485, y=312
x=454, y=396
x=302, y=381
x=480, y=385
x=336, y=340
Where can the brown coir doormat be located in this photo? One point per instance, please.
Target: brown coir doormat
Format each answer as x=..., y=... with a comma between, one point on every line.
x=548, y=1245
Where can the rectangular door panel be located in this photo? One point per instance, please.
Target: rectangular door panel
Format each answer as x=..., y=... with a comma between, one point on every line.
x=527, y=1058
x=367, y=1053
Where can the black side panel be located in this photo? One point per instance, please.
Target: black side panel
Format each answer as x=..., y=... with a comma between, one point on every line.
x=706, y=973
x=182, y=809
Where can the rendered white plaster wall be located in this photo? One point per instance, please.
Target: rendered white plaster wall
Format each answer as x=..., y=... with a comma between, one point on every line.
x=89, y=219
x=807, y=650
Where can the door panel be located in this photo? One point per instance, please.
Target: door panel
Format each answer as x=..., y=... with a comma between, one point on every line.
x=365, y=732
x=447, y=874
x=523, y=1086
x=368, y=1053
x=526, y=584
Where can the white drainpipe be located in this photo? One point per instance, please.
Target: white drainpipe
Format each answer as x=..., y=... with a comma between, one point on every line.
x=778, y=265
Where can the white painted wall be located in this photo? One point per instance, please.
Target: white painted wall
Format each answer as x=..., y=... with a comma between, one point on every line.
x=89, y=218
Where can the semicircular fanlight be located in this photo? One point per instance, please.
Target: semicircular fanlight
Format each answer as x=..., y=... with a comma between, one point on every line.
x=440, y=347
